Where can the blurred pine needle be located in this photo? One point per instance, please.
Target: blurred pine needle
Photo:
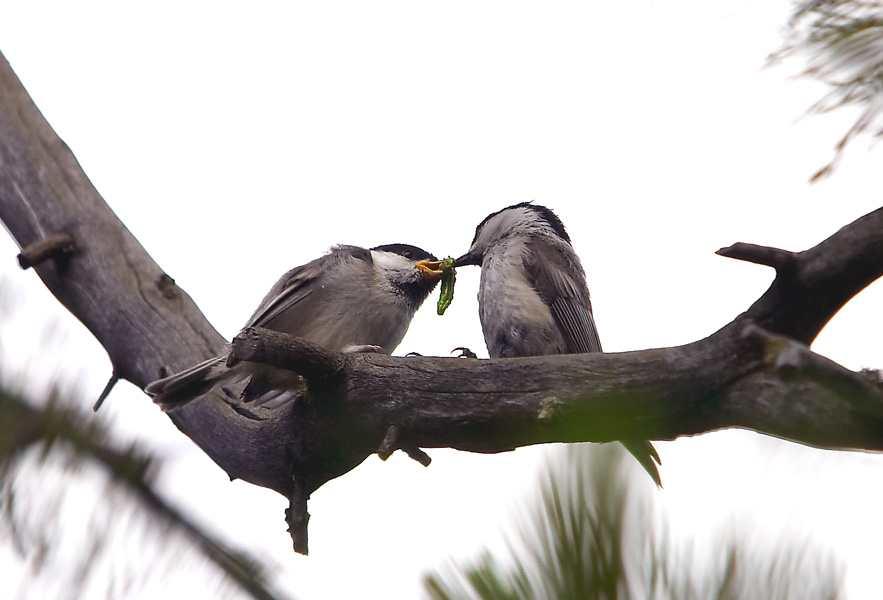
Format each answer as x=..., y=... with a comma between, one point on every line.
x=842, y=41
x=74, y=502
x=591, y=536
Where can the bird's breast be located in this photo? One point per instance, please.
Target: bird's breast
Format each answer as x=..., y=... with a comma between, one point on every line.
x=514, y=318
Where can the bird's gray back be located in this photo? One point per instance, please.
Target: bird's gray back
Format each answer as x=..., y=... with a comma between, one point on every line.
x=316, y=301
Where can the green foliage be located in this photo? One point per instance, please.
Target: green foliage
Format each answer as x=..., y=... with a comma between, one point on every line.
x=78, y=509
x=590, y=536
x=46, y=454
x=843, y=43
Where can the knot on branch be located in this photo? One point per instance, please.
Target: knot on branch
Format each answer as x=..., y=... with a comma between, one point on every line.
x=318, y=365
x=548, y=408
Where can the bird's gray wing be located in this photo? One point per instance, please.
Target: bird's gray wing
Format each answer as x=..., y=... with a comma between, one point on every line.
x=561, y=282
x=298, y=283
x=291, y=288
x=558, y=277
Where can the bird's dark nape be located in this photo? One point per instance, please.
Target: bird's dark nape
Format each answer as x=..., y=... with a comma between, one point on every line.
x=551, y=218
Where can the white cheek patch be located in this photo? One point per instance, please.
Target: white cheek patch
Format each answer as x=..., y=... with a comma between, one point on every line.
x=388, y=261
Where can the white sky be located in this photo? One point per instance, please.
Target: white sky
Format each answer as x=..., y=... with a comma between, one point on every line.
x=236, y=143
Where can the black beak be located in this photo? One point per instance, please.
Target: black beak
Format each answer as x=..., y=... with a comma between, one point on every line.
x=468, y=259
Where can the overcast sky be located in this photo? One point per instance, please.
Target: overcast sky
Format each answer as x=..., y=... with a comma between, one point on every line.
x=236, y=143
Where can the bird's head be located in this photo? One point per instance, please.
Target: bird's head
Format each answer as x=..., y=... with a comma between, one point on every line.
x=407, y=269
x=524, y=219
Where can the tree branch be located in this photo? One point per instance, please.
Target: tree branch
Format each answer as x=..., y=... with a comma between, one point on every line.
x=742, y=376
x=802, y=299
x=756, y=372
x=781, y=260
x=144, y=321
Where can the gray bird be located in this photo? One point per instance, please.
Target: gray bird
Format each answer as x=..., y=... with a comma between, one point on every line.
x=533, y=299
x=350, y=300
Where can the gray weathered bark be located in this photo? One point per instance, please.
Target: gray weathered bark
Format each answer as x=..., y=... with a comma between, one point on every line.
x=108, y=281
x=755, y=373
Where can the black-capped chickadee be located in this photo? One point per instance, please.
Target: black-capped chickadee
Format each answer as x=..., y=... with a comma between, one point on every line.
x=533, y=299
x=351, y=299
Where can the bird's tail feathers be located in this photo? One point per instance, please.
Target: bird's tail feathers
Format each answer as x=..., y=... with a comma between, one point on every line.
x=177, y=390
x=647, y=456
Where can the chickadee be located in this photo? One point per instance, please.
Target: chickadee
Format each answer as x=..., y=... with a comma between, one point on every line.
x=533, y=299
x=351, y=299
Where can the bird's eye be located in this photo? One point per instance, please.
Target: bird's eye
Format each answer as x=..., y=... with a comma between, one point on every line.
x=406, y=254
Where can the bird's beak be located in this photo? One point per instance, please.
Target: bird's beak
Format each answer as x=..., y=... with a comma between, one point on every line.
x=467, y=259
x=431, y=268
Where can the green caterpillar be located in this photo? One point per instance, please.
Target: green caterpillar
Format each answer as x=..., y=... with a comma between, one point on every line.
x=449, y=276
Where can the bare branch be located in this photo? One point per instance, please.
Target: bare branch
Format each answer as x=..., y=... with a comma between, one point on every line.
x=108, y=388
x=390, y=442
x=144, y=321
x=54, y=246
x=802, y=299
x=297, y=516
x=742, y=376
x=417, y=454
x=780, y=260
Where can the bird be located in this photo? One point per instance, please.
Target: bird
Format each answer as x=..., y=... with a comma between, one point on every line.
x=533, y=298
x=351, y=299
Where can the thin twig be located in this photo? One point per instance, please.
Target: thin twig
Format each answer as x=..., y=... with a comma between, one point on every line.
x=781, y=260
x=55, y=246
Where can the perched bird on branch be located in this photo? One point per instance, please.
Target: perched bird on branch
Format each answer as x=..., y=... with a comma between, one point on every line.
x=533, y=299
x=350, y=300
